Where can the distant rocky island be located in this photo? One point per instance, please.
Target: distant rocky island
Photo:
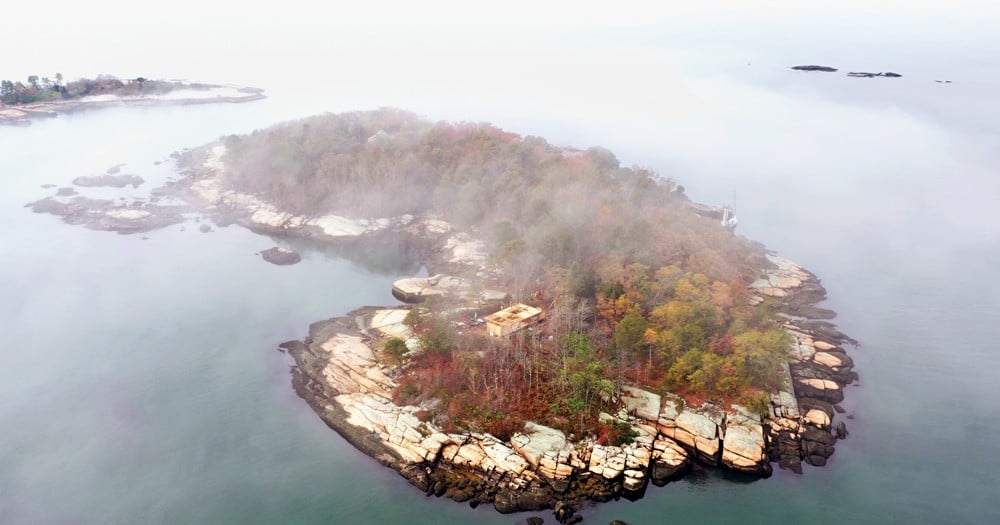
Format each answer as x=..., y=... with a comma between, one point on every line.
x=46, y=98
x=856, y=74
x=585, y=330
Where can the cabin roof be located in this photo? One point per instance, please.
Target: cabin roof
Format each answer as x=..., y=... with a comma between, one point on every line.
x=513, y=314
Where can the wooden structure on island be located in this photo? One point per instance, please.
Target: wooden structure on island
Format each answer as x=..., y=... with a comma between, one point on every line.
x=512, y=319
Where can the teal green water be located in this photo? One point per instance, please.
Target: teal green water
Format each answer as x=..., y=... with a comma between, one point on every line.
x=139, y=382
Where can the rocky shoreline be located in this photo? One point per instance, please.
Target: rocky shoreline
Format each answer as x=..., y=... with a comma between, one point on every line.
x=338, y=373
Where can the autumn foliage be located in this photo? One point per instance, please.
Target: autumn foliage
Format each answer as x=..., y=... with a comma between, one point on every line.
x=637, y=289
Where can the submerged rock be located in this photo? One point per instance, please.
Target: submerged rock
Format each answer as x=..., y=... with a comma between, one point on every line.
x=279, y=256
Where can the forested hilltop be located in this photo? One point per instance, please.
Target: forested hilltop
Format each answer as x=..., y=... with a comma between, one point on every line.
x=637, y=289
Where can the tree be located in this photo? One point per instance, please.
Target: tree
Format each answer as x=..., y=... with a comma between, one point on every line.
x=395, y=348
x=438, y=339
x=630, y=332
x=59, y=79
x=33, y=81
x=7, y=93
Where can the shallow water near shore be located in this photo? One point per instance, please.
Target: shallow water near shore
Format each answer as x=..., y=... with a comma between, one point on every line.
x=140, y=382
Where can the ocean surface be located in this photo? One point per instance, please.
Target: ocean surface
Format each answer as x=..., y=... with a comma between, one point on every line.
x=140, y=381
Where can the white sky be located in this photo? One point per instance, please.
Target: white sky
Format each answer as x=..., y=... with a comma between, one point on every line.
x=113, y=32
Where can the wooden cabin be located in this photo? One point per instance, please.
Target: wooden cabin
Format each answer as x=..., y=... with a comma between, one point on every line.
x=512, y=319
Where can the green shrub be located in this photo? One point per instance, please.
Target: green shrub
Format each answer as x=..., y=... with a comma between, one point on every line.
x=395, y=348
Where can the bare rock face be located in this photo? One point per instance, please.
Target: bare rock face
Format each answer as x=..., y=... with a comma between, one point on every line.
x=645, y=405
x=418, y=289
x=670, y=460
x=280, y=256
x=547, y=451
x=697, y=429
x=801, y=418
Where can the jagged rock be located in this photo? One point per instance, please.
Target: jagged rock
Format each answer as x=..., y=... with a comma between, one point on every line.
x=841, y=430
x=670, y=460
x=548, y=452
x=784, y=404
x=532, y=498
x=695, y=428
x=817, y=445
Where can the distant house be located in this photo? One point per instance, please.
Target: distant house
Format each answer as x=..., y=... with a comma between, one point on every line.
x=512, y=319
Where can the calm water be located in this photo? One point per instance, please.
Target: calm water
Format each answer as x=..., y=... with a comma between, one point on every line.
x=140, y=381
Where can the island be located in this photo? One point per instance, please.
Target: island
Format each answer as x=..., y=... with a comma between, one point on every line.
x=853, y=74
x=583, y=328
x=48, y=97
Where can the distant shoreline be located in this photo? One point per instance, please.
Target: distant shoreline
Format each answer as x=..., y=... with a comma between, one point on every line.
x=23, y=114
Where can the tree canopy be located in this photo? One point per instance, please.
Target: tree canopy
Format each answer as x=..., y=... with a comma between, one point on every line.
x=637, y=289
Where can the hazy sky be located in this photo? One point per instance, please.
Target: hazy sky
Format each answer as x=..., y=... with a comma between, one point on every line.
x=179, y=36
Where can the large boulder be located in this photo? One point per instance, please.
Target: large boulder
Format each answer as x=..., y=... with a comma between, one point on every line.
x=817, y=445
x=645, y=405
x=670, y=460
x=822, y=389
x=743, y=443
x=697, y=429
